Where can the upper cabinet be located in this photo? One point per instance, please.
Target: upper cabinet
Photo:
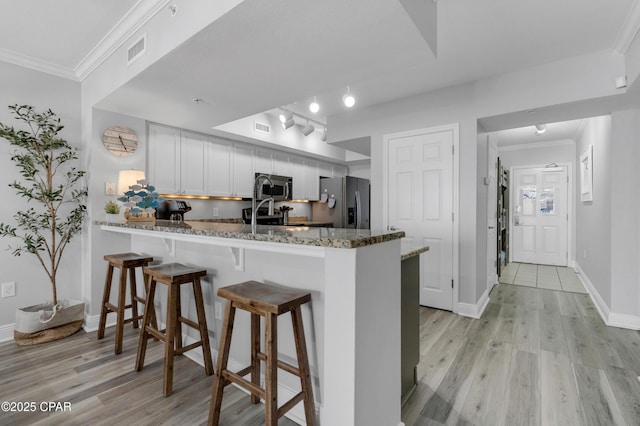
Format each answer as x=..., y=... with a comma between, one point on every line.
x=187, y=163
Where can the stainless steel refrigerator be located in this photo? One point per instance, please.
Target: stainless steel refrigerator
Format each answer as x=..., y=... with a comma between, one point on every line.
x=350, y=203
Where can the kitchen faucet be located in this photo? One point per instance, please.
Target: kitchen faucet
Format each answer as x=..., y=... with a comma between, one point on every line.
x=254, y=208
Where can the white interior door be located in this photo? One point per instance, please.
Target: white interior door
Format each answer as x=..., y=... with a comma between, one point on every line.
x=539, y=215
x=492, y=214
x=420, y=202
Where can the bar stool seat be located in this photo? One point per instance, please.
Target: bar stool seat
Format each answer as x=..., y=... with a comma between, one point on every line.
x=268, y=301
x=127, y=262
x=173, y=275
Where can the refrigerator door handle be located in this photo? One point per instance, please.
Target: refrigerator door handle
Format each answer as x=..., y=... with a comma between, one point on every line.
x=358, y=211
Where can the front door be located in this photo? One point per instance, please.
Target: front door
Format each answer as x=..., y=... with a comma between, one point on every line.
x=539, y=215
x=420, y=202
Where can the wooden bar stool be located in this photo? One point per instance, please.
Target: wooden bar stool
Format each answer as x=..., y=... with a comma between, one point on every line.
x=269, y=302
x=173, y=275
x=127, y=262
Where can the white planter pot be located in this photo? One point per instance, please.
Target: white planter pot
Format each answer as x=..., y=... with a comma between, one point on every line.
x=44, y=323
x=113, y=218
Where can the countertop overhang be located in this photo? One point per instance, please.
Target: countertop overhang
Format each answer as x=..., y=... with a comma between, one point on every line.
x=300, y=235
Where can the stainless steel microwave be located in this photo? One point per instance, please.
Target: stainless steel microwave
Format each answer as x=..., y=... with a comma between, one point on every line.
x=280, y=188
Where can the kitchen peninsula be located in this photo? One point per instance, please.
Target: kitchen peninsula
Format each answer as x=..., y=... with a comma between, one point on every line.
x=352, y=325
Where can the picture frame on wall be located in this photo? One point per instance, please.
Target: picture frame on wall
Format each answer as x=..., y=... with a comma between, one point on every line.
x=586, y=175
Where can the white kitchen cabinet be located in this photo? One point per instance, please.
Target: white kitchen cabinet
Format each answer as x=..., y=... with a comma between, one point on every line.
x=339, y=171
x=163, y=169
x=281, y=164
x=263, y=161
x=298, y=176
x=325, y=169
x=243, y=171
x=193, y=163
x=220, y=161
x=312, y=180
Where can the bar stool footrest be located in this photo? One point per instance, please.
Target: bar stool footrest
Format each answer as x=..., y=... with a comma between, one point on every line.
x=187, y=348
x=291, y=369
x=290, y=404
x=241, y=381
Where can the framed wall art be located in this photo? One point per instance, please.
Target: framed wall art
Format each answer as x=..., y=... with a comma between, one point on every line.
x=586, y=174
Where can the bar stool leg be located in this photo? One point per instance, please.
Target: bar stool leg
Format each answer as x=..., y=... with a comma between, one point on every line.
x=148, y=313
x=204, y=331
x=223, y=358
x=133, y=294
x=178, y=329
x=105, y=300
x=255, y=348
x=271, y=370
x=169, y=344
x=122, y=292
x=303, y=366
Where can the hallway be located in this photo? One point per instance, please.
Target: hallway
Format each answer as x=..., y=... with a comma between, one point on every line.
x=542, y=276
x=536, y=357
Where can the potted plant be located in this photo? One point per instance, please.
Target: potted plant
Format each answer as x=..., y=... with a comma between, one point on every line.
x=112, y=209
x=141, y=201
x=52, y=186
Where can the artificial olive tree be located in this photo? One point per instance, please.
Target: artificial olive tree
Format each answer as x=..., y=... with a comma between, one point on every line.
x=51, y=185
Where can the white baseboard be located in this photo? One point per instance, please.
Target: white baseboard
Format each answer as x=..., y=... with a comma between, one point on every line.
x=474, y=311
x=6, y=332
x=613, y=319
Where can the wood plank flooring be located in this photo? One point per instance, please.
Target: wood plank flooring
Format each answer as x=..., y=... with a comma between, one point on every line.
x=104, y=389
x=536, y=357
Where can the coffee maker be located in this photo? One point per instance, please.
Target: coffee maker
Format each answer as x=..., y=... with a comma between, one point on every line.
x=167, y=208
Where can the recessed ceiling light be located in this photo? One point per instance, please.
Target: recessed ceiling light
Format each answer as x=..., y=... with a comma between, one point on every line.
x=541, y=128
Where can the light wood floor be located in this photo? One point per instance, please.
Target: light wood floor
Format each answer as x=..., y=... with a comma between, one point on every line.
x=104, y=389
x=537, y=357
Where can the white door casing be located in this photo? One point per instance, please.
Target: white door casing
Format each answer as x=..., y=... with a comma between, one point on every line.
x=540, y=215
x=420, y=192
x=492, y=214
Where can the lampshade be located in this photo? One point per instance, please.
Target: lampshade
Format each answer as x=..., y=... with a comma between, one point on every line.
x=127, y=178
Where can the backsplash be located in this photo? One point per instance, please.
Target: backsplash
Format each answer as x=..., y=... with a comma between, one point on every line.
x=203, y=209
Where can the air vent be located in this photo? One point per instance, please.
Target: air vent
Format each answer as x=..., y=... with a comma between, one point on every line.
x=261, y=127
x=137, y=50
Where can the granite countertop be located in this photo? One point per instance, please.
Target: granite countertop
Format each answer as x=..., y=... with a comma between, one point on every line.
x=303, y=235
x=409, y=249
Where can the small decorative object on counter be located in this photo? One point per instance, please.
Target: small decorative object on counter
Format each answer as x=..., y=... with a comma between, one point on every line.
x=141, y=201
x=112, y=209
x=285, y=214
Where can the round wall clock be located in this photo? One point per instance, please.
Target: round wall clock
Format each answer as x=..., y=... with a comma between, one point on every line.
x=120, y=141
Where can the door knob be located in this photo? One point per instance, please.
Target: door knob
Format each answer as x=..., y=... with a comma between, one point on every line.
x=392, y=228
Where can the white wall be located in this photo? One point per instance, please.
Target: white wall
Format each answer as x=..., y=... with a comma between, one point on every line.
x=593, y=219
x=24, y=86
x=360, y=170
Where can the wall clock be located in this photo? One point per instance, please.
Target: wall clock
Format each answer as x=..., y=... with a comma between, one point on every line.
x=120, y=141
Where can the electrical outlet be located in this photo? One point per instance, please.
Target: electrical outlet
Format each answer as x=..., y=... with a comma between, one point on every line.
x=109, y=188
x=216, y=212
x=218, y=310
x=9, y=289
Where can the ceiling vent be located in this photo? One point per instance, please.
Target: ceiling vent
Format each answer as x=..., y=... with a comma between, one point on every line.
x=137, y=50
x=261, y=127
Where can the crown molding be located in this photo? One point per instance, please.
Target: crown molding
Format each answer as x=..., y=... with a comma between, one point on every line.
x=534, y=145
x=629, y=29
x=136, y=18
x=35, y=64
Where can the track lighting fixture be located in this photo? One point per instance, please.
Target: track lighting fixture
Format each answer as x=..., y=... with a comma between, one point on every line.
x=541, y=128
x=314, y=106
x=323, y=138
x=308, y=130
x=348, y=99
x=288, y=123
x=285, y=115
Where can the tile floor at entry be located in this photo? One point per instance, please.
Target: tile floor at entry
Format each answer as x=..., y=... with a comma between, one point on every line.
x=542, y=276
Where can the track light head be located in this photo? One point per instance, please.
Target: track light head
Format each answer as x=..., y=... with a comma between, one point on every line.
x=308, y=130
x=541, y=128
x=323, y=138
x=285, y=115
x=288, y=123
x=348, y=99
x=314, y=106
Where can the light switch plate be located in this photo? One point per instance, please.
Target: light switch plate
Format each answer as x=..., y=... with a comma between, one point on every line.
x=109, y=188
x=9, y=289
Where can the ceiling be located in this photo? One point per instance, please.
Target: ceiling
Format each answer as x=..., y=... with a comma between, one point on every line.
x=295, y=50
x=564, y=130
